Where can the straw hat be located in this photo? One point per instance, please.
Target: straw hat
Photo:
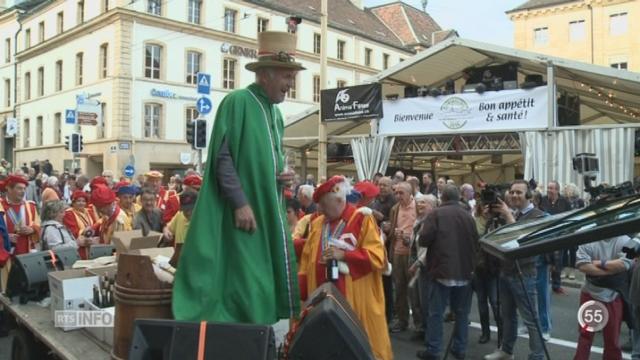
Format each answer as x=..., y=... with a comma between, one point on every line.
x=276, y=49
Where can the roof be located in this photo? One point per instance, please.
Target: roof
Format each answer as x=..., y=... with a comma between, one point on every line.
x=346, y=16
x=27, y=6
x=411, y=25
x=534, y=4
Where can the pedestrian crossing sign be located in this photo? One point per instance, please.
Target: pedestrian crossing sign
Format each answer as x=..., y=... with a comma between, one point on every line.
x=204, y=83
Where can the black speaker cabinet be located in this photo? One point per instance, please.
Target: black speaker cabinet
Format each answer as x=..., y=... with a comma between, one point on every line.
x=178, y=340
x=330, y=330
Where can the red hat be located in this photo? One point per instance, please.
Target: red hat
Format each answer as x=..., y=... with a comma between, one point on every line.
x=78, y=194
x=98, y=180
x=192, y=180
x=367, y=189
x=102, y=196
x=15, y=179
x=328, y=186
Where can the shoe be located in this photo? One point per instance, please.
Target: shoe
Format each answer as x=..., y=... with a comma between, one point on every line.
x=560, y=291
x=484, y=338
x=498, y=355
x=417, y=336
x=397, y=327
x=546, y=336
x=422, y=354
x=456, y=355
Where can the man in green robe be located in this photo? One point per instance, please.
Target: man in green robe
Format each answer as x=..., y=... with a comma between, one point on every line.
x=238, y=262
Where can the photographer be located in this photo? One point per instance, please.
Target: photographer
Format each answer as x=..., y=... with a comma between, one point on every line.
x=512, y=295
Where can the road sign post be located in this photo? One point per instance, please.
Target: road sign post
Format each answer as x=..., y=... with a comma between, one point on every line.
x=204, y=83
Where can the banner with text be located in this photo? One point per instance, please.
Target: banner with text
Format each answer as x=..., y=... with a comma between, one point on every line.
x=504, y=110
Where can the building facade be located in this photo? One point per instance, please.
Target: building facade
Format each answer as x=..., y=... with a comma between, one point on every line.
x=139, y=60
x=593, y=31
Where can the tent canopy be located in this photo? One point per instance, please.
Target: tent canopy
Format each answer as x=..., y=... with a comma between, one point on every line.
x=608, y=98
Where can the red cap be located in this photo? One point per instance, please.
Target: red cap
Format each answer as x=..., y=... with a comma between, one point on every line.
x=78, y=194
x=328, y=186
x=98, y=180
x=102, y=196
x=15, y=179
x=367, y=189
x=192, y=180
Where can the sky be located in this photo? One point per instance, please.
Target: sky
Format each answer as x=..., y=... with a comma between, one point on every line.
x=481, y=20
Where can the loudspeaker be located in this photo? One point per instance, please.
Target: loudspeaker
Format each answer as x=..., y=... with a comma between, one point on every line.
x=330, y=330
x=568, y=110
x=410, y=91
x=173, y=340
x=28, y=277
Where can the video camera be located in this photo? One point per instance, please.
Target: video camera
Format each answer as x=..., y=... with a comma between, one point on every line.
x=587, y=165
x=492, y=193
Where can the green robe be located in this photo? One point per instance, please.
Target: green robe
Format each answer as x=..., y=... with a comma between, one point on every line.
x=225, y=274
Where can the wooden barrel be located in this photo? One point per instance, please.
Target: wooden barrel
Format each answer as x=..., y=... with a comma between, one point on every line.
x=138, y=295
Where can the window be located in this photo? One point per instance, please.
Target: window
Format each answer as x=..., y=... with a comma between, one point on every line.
x=25, y=134
x=316, y=88
x=385, y=61
x=40, y=81
x=41, y=32
x=80, y=12
x=7, y=92
x=230, y=20
x=577, y=30
x=7, y=50
x=341, y=45
x=27, y=86
x=60, y=23
x=152, y=61
x=152, y=113
x=367, y=56
x=39, y=131
x=79, y=58
x=341, y=83
x=316, y=43
x=154, y=7
x=620, y=65
x=57, y=128
x=292, y=93
x=59, y=75
x=105, y=6
x=104, y=60
x=193, y=66
x=263, y=24
x=229, y=74
x=541, y=36
x=618, y=24
x=27, y=38
x=195, y=8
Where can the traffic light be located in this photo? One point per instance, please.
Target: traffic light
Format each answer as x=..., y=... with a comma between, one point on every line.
x=191, y=133
x=200, y=131
x=74, y=143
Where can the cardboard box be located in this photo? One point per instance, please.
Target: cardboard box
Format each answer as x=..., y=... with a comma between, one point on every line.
x=152, y=253
x=104, y=334
x=132, y=240
x=72, y=284
x=59, y=304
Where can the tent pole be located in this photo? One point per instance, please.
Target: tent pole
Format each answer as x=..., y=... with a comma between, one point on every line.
x=322, y=127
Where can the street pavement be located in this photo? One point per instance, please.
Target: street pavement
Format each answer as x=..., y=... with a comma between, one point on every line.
x=561, y=346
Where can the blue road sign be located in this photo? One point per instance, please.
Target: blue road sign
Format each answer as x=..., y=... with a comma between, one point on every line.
x=204, y=83
x=70, y=117
x=203, y=105
x=129, y=171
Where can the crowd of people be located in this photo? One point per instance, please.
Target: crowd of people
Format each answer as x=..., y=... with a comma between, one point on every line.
x=42, y=209
x=432, y=261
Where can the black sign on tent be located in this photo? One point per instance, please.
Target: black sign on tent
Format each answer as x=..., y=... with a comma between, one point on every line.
x=351, y=103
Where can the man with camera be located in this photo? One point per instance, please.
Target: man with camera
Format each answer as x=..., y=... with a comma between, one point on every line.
x=512, y=295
